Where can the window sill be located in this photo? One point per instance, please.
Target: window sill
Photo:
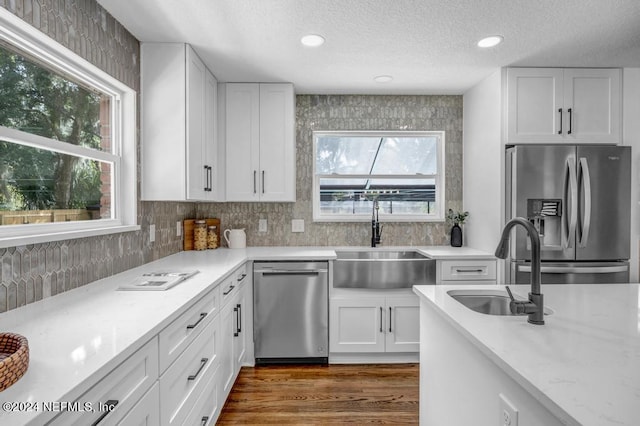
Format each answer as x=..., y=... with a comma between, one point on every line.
x=46, y=237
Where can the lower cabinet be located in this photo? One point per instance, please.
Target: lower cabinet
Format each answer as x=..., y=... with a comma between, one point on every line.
x=145, y=412
x=374, y=324
x=233, y=338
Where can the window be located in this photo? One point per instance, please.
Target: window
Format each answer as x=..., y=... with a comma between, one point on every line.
x=403, y=171
x=67, y=142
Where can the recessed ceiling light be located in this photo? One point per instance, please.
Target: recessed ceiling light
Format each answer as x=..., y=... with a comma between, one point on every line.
x=312, y=40
x=383, y=79
x=490, y=41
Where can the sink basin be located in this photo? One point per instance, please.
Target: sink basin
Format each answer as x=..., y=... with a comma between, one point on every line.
x=382, y=269
x=489, y=302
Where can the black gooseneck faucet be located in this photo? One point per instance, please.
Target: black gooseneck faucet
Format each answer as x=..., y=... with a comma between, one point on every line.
x=534, y=306
x=376, y=229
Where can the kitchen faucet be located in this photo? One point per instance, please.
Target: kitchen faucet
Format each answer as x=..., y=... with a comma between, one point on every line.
x=376, y=229
x=534, y=306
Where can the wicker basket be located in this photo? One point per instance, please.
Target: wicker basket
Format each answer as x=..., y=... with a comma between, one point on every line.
x=14, y=358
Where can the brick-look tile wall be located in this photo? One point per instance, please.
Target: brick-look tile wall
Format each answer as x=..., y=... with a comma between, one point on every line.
x=33, y=272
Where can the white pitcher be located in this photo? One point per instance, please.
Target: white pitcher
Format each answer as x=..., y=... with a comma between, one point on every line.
x=236, y=238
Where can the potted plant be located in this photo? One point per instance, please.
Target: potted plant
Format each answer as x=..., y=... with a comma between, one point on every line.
x=457, y=218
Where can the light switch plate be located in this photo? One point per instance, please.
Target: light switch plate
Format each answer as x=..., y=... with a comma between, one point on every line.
x=152, y=233
x=262, y=225
x=178, y=229
x=297, y=225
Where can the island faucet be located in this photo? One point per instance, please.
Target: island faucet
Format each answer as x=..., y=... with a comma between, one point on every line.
x=534, y=306
x=376, y=228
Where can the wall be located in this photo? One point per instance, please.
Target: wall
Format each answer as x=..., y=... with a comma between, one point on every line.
x=631, y=137
x=33, y=272
x=352, y=112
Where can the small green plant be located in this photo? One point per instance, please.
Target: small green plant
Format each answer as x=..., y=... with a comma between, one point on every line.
x=457, y=218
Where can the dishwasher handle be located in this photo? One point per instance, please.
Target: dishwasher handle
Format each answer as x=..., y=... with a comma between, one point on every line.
x=307, y=272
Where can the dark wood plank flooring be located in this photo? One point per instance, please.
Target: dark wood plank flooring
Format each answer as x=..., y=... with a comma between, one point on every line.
x=321, y=395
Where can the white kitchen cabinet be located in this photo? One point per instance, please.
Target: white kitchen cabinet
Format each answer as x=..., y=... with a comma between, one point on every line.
x=366, y=324
x=183, y=382
x=259, y=137
x=146, y=412
x=571, y=105
x=235, y=330
x=472, y=271
x=180, y=151
x=118, y=392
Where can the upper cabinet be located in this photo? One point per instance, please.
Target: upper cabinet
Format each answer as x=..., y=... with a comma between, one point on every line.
x=555, y=105
x=259, y=135
x=179, y=120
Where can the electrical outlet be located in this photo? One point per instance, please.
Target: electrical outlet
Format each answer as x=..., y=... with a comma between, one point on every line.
x=178, y=229
x=262, y=225
x=508, y=412
x=297, y=225
x=152, y=233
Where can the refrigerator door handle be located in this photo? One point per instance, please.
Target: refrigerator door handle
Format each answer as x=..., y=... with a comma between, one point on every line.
x=586, y=215
x=576, y=269
x=570, y=199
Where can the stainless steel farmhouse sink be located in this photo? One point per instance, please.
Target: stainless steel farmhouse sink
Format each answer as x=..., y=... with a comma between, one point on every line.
x=382, y=269
x=490, y=302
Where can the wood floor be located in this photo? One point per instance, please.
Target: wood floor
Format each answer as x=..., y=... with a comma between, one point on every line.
x=322, y=395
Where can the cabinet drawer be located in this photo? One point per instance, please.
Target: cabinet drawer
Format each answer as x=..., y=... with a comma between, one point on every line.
x=467, y=270
x=185, y=380
x=231, y=284
x=120, y=389
x=181, y=332
x=207, y=408
x=146, y=412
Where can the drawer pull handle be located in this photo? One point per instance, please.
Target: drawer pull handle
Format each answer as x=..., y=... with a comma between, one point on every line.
x=203, y=362
x=239, y=306
x=204, y=421
x=110, y=404
x=242, y=277
x=381, y=314
x=194, y=325
x=231, y=287
x=469, y=270
x=390, y=319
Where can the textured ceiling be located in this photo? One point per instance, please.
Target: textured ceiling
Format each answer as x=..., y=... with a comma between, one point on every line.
x=428, y=46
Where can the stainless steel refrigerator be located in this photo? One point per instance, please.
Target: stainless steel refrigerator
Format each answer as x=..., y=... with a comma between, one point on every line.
x=578, y=198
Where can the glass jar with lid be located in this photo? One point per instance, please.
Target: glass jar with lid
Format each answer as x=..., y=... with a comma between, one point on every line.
x=200, y=235
x=212, y=237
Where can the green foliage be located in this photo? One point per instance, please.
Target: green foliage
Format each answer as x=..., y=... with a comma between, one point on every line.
x=457, y=218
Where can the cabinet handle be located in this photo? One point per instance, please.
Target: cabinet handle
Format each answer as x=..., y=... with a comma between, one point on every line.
x=254, y=181
x=381, y=314
x=231, y=287
x=242, y=277
x=560, y=111
x=389, y=319
x=469, y=270
x=239, y=306
x=210, y=178
x=204, y=421
x=206, y=178
x=111, y=404
x=195, y=324
x=235, y=333
x=263, y=181
x=570, y=120
x=203, y=362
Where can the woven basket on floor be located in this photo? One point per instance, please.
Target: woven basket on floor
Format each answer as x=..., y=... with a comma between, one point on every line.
x=14, y=358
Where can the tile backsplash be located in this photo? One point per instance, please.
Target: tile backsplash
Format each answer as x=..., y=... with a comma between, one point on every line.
x=32, y=272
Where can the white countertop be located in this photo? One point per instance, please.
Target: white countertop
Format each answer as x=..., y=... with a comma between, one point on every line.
x=82, y=334
x=583, y=364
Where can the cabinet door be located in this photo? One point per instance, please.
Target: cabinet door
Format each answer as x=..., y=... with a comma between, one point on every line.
x=240, y=341
x=277, y=143
x=196, y=172
x=227, y=358
x=242, y=141
x=403, y=324
x=210, y=146
x=534, y=105
x=593, y=103
x=357, y=325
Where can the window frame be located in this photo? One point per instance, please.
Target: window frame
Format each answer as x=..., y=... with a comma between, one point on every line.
x=19, y=34
x=439, y=215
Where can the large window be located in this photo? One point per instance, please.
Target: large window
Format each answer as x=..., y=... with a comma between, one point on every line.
x=402, y=171
x=67, y=142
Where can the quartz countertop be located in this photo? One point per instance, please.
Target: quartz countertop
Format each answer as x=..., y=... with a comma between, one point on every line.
x=78, y=336
x=583, y=364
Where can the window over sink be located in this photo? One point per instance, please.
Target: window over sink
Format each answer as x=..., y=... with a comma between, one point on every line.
x=67, y=142
x=402, y=171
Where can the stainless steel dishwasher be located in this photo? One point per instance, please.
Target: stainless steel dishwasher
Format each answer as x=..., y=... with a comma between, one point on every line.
x=291, y=312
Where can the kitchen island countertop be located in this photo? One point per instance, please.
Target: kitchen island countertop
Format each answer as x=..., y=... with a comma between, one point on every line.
x=583, y=365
